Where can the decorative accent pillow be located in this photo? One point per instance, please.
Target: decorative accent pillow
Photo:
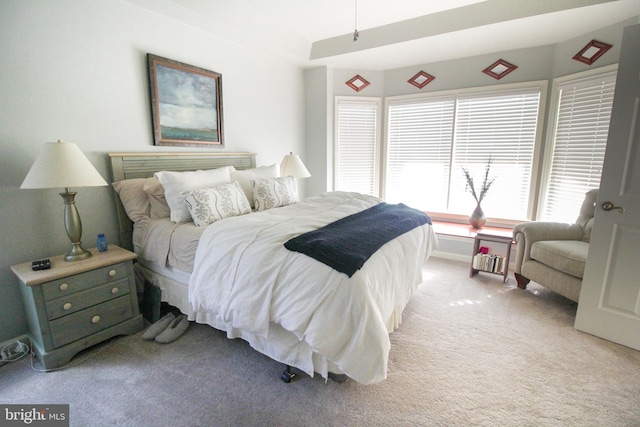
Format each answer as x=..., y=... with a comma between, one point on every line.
x=157, y=201
x=176, y=183
x=133, y=198
x=274, y=192
x=245, y=176
x=208, y=205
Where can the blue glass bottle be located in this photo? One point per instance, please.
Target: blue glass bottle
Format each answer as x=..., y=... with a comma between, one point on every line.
x=102, y=243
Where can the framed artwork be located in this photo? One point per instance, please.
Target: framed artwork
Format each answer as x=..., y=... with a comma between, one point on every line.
x=421, y=79
x=186, y=104
x=357, y=83
x=499, y=69
x=592, y=51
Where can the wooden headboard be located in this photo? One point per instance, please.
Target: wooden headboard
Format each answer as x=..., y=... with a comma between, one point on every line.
x=144, y=165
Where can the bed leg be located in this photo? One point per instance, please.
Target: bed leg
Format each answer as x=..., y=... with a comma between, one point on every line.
x=288, y=376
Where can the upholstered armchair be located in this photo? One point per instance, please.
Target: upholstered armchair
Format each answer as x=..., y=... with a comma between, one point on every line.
x=554, y=254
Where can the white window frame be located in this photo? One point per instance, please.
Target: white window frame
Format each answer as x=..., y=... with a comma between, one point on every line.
x=542, y=85
x=378, y=144
x=552, y=128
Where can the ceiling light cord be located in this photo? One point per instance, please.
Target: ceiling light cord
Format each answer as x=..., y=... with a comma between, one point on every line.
x=356, y=34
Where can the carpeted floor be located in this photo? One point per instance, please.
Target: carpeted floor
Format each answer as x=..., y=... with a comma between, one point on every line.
x=469, y=352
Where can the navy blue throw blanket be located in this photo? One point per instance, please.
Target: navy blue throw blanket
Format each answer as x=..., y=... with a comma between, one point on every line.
x=346, y=244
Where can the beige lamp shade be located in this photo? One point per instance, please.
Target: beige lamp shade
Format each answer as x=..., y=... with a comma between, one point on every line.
x=292, y=166
x=62, y=165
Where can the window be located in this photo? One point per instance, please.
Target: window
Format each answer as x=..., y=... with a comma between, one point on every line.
x=583, y=113
x=357, y=142
x=419, y=152
x=431, y=137
x=430, y=140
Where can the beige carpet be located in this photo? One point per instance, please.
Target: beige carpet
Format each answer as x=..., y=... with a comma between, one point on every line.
x=469, y=352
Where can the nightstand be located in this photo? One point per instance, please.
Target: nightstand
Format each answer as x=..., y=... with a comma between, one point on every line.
x=75, y=305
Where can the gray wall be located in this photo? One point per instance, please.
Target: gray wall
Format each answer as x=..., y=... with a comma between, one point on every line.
x=319, y=129
x=76, y=70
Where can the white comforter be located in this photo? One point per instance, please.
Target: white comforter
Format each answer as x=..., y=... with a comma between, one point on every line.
x=246, y=278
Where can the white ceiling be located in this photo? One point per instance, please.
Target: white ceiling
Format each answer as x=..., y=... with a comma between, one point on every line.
x=393, y=33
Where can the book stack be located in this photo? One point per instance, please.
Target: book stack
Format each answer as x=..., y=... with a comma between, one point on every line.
x=489, y=262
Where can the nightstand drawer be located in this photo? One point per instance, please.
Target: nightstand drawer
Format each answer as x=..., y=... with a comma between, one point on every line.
x=81, y=300
x=91, y=320
x=78, y=282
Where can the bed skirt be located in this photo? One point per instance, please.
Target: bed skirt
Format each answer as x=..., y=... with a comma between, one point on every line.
x=280, y=345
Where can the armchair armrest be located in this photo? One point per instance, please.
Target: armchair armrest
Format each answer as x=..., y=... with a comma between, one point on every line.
x=535, y=231
x=525, y=234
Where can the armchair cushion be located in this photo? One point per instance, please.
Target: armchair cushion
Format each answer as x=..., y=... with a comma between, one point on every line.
x=567, y=256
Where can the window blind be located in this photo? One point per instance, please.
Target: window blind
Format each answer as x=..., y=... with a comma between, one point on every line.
x=498, y=127
x=579, y=143
x=356, y=146
x=430, y=140
x=419, y=152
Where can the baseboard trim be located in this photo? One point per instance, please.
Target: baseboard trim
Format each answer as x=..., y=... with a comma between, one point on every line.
x=451, y=256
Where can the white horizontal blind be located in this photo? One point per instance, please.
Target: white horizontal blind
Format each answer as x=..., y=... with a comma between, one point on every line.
x=356, y=146
x=579, y=143
x=419, y=152
x=500, y=126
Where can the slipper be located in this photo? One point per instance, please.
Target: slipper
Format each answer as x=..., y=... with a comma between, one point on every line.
x=157, y=328
x=174, y=330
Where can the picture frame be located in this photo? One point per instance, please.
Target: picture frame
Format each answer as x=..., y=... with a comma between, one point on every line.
x=499, y=69
x=186, y=104
x=592, y=51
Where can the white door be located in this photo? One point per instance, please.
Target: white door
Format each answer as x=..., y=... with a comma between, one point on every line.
x=609, y=304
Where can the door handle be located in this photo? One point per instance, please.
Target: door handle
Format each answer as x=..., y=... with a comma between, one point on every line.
x=608, y=206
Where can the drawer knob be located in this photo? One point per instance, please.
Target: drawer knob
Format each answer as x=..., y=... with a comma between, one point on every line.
x=95, y=319
x=66, y=306
x=63, y=286
x=115, y=290
x=112, y=273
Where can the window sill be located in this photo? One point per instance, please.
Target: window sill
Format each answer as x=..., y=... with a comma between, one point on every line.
x=465, y=230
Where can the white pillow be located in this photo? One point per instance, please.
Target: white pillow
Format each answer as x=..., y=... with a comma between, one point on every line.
x=274, y=192
x=175, y=183
x=244, y=177
x=208, y=205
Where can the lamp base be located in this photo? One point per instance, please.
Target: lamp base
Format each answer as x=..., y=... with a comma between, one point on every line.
x=77, y=253
x=73, y=227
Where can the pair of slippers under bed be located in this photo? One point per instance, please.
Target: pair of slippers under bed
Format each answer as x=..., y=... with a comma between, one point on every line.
x=168, y=329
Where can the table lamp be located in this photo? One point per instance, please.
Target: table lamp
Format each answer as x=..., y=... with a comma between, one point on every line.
x=292, y=166
x=62, y=165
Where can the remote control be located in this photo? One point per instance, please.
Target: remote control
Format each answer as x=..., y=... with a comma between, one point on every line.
x=43, y=264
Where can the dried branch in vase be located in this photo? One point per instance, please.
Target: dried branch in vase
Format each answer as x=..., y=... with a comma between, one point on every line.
x=486, y=183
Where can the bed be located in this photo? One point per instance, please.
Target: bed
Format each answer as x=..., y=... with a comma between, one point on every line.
x=238, y=273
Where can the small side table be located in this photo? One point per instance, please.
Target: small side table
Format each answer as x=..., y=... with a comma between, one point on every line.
x=497, y=238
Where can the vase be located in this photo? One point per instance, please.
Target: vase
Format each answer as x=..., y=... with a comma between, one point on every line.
x=477, y=218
